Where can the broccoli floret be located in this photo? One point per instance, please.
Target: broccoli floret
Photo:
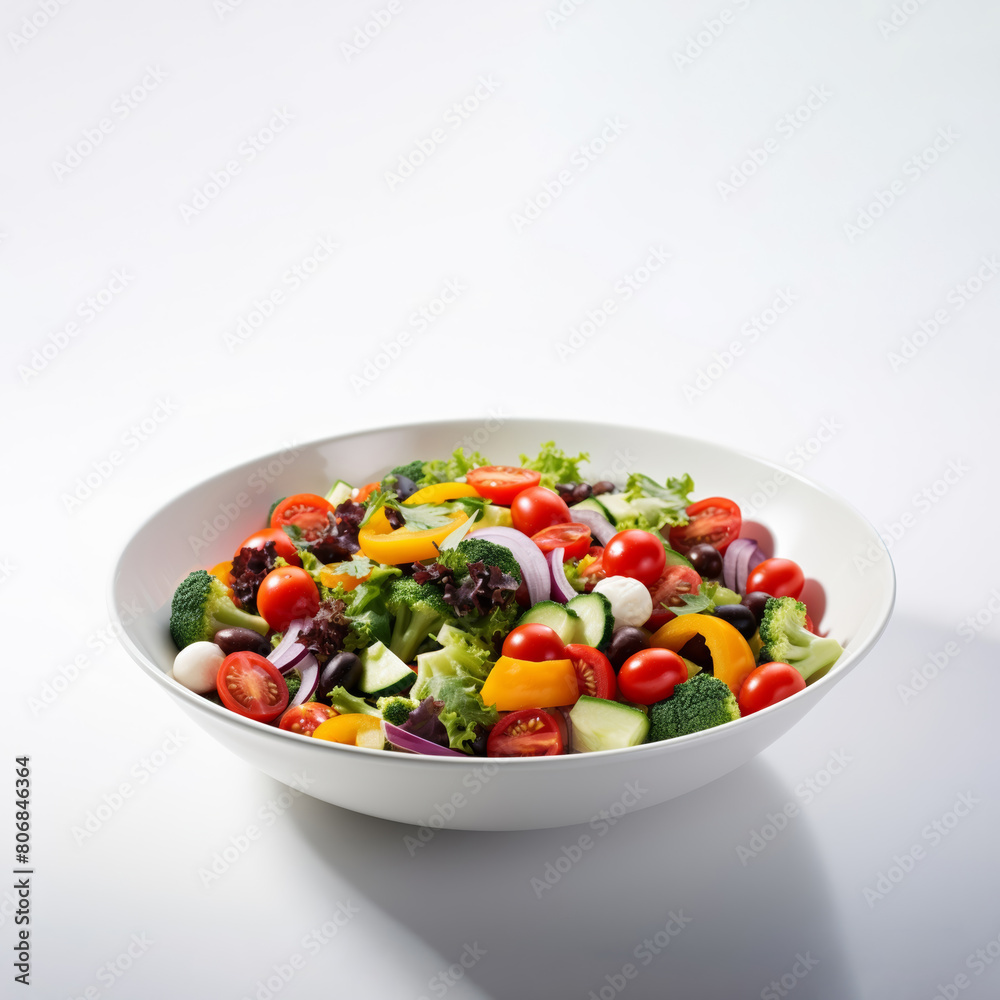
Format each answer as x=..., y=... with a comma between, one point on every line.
x=293, y=682
x=473, y=550
x=201, y=606
x=345, y=703
x=413, y=471
x=700, y=703
x=396, y=709
x=784, y=638
x=418, y=610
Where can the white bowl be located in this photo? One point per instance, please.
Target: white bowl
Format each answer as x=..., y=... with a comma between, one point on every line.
x=204, y=525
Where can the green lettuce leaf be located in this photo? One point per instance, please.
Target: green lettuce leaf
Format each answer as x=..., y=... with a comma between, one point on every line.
x=555, y=465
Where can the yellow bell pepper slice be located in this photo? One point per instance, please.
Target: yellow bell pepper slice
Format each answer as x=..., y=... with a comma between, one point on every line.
x=439, y=492
x=381, y=543
x=732, y=657
x=353, y=729
x=514, y=684
x=329, y=577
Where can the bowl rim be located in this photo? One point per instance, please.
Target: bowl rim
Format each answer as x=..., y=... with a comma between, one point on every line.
x=844, y=664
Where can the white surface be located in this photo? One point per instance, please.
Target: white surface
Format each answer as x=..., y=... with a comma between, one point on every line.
x=519, y=795
x=895, y=433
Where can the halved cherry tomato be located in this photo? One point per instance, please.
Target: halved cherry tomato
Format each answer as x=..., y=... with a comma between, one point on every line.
x=287, y=593
x=635, y=553
x=354, y=729
x=250, y=685
x=594, y=672
x=534, y=642
x=305, y=511
x=651, y=675
x=501, y=483
x=303, y=719
x=715, y=520
x=282, y=544
x=366, y=491
x=573, y=537
x=536, y=508
x=767, y=685
x=777, y=577
x=530, y=732
x=675, y=581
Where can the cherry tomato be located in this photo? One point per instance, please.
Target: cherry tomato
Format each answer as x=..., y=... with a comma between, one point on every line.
x=534, y=642
x=536, y=508
x=573, y=537
x=594, y=672
x=305, y=511
x=635, y=553
x=777, y=577
x=287, y=593
x=305, y=718
x=675, y=581
x=501, y=483
x=366, y=491
x=714, y=520
x=282, y=544
x=767, y=685
x=250, y=685
x=651, y=675
x=530, y=732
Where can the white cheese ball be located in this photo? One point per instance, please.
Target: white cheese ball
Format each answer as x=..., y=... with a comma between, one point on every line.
x=631, y=603
x=196, y=666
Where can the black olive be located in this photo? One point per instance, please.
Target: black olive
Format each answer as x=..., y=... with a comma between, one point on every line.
x=740, y=617
x=234, y=640
x=342, y=670
x=707, y=560
x=624, y=642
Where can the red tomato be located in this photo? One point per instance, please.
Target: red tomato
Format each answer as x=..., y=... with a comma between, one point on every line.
x=777, y=577
x=635, y=553
x=767, y=685
x=651, y=675
x=594, y=672
x=714, y=520
x=658, y=619
x=530, y=732
x=282, y=544
x=306, y=717
x=306, y=511
x=366, y=491
x=536, y=508
x=534, y=642
x=676, y=580
x=250, y=685
x=287, y=593
x=573, y=537
x=501, y=483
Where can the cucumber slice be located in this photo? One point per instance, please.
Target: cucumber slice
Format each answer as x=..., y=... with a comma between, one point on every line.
x=599, y=724
x=383, y=672
x=674, y=558
x=592, y=503
x=615, y=506
x=559, y=617
x=340, y=492
x=595, y=621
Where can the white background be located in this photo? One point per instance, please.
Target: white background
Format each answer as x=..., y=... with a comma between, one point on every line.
x=164, y=349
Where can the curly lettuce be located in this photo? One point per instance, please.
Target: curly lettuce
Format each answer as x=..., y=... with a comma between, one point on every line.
x=653, y=506
x=555, y=465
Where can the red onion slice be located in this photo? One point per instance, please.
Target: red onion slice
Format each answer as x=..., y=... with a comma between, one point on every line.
x=741, y=556
x=288, y=652
x=600, y=527
x=308, y=671
x=534, y=569
x=417, y=744
x=561, y=589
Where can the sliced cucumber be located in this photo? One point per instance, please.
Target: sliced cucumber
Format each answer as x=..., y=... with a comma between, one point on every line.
x=595, y=622
x=340, y=492
x=592, y=503
x=599, y=724
x=383, y=672
x=674, y=558
x=559, y=617
x=615, y=506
